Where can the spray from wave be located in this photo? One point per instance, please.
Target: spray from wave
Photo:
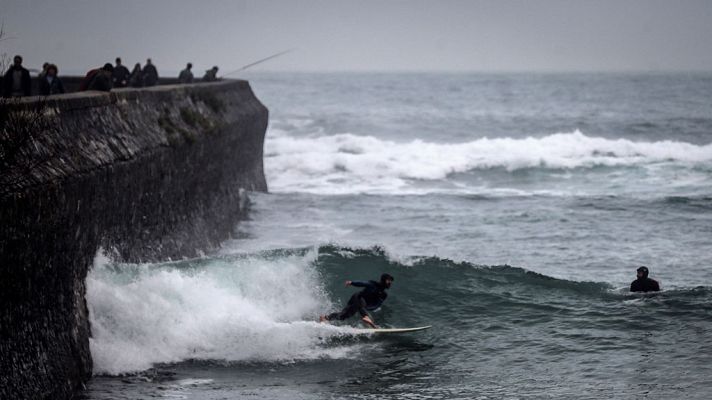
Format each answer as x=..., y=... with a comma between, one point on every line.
x=346, y=163
x=235, y=310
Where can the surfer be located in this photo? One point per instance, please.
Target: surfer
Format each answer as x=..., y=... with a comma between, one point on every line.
x=643, y=283
x=370, y=298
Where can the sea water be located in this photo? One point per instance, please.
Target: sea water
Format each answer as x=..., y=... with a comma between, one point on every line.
x=512, y=210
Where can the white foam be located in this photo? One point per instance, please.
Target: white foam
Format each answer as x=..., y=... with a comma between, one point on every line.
x=346, y=163
x=251, y=309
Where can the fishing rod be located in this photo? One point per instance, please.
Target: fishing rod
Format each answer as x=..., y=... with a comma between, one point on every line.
x=258, y=62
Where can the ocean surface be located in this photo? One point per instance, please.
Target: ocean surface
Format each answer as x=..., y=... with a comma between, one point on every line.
x=512, y=210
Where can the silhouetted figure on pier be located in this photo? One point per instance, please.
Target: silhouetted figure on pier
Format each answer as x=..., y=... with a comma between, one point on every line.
x=121, y=74
x=211, y=75
x=43, y=72
x=50, y=83
x=98, y=79
x=150, y=74
x=136, y=78
x=17, y=81
x=186, y=76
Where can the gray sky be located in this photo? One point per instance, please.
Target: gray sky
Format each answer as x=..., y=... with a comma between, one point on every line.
x=546, y=35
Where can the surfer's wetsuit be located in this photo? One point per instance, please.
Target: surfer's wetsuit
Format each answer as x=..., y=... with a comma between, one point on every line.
x=370, y=298
x=645, y=285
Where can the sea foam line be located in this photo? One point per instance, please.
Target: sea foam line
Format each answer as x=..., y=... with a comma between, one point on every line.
x=366, y=163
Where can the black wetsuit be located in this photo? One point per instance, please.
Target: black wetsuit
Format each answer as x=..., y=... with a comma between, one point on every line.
x=370, y=298
x=644, y=284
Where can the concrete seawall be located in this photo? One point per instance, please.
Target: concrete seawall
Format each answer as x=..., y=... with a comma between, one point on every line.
x=147, y=174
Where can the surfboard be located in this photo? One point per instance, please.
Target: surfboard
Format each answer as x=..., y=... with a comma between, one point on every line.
x=394, y=330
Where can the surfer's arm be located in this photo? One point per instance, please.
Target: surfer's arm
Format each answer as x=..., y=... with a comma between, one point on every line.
x=358, y=283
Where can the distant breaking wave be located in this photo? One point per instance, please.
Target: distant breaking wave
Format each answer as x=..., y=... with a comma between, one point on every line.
x=347, y=163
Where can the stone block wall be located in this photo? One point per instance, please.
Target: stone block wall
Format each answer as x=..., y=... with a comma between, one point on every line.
x=147, y=174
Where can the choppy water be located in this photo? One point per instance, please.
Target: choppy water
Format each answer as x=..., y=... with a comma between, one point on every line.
x=512, y=210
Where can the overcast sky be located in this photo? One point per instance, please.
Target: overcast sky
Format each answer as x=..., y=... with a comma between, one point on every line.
x=546, y=35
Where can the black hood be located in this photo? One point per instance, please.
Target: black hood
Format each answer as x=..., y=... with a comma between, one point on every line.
x=645, y=271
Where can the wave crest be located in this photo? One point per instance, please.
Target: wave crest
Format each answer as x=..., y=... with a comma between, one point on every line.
x=264, y=307
x=347, y=163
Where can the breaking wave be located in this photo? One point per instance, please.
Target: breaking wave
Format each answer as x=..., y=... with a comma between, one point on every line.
x=241, y=309
x=347, y=163
x=263, y=307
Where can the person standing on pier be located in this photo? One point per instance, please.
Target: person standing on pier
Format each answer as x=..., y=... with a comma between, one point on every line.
x=186, y=76
x=121, y=74
x=150, y=74
x=50, y=83
x=17, y=81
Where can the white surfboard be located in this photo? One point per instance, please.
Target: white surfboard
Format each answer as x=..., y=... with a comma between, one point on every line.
x=394, y=330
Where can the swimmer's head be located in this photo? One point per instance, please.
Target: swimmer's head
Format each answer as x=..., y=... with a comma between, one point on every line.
x=643, y=272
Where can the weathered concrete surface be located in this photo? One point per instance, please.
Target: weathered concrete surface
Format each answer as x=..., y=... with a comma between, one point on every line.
x=152, y=174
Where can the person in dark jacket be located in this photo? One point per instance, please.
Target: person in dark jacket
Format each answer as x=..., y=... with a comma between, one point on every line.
x=43, y=73
x=98, y=79
x=369, y=299
x=120, y=76
x=17, y=81
x=136, y=78
x=643, y=283
x=211, y=75
x=186, y=76
x=150, y=74
x=51, y=84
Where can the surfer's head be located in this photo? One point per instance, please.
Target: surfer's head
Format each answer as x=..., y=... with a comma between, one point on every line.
x=386, y=280
x=643, y=272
